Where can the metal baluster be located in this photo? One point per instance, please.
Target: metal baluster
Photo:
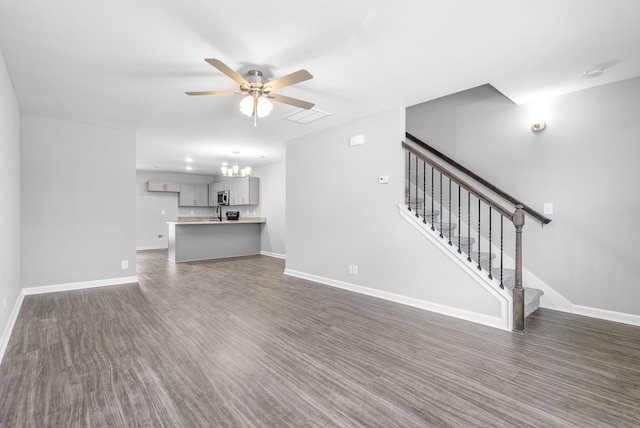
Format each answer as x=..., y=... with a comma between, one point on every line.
x=490, y=273
x=468, y=226
x=409, y=179
x=433, y=227
x=424, y=192
x=450, y=212
x=479, y=215
x=417, y=186
x=501, y=248
x=441, y=235
x=459, y=225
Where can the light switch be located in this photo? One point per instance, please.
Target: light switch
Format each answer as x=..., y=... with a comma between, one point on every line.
x=548, y=208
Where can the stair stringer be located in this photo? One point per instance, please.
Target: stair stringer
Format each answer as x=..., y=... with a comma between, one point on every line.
x=492, y=286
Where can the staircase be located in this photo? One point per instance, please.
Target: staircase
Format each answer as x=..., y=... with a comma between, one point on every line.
x=445, y=204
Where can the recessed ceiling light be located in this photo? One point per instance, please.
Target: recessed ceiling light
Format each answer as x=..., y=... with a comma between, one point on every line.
x=189, y=160
x=189, y=168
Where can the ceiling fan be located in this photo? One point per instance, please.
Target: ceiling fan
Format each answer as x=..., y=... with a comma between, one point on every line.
x=258, y=90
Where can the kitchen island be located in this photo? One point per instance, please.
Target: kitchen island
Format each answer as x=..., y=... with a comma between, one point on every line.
x=210, y=238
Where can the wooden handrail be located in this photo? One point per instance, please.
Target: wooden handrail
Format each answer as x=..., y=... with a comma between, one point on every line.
x=477, y=193
x=533, y=213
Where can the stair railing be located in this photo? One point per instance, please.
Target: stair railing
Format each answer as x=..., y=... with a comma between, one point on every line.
x=453, y=183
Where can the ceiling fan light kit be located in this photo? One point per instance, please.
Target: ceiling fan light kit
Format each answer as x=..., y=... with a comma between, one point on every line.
x=258, y=90
x=260, y=105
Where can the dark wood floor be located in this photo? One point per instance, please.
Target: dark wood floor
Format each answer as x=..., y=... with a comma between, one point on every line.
x=236, y=343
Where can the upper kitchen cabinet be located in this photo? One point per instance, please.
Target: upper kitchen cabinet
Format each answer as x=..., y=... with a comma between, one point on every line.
x=242, y=191
x=246, y=191
x=214, y=188
x=194, y=195
x=163, y=186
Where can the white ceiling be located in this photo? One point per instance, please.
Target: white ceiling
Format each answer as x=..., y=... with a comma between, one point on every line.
x=127, y=63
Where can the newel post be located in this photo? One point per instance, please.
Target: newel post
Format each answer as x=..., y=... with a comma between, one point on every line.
x=518, y=291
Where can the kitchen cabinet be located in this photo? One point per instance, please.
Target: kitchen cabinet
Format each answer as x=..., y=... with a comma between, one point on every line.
x=163, y=186
x=193, y=195
x=246, y=191
x=214, y=188
x=242, y=191
x=231, y=187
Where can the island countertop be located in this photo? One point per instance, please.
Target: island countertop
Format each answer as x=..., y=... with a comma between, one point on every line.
x=215, y=220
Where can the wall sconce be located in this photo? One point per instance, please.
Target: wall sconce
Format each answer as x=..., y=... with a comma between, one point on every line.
x=539, y=126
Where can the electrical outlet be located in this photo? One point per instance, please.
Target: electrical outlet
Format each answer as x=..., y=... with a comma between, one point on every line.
x=4, y=305
x=125, y=264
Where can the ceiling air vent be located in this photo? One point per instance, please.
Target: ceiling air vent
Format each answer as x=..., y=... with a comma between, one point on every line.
x=307, y=116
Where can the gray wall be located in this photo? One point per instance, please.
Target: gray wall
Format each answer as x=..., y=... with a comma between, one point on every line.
x=78, y=202
x=585, y=163
x=337, y=214
x=10, y=195
x=272, y=206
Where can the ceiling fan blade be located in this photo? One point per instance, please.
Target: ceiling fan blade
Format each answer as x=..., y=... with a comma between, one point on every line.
x=212, y=93
x=289, y=79
x=291, y=101
x=226, y=70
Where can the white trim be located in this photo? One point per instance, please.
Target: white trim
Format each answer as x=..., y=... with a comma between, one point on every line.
x=270, y=254
x=605, y=314
x=152, y=247
x=502, y=296
x=8, y=329
x=409, y=301
x=28, y=291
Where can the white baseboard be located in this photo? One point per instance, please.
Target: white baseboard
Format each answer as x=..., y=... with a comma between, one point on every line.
x=152, y=247
x=8, y=329
x=276, y=255
x=475, y=317
x=78, y=285
x=605, y=314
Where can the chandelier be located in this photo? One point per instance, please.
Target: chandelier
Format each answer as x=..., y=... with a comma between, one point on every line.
x=235, y=170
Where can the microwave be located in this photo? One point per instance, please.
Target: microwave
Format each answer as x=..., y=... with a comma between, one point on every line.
x=223, y=197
